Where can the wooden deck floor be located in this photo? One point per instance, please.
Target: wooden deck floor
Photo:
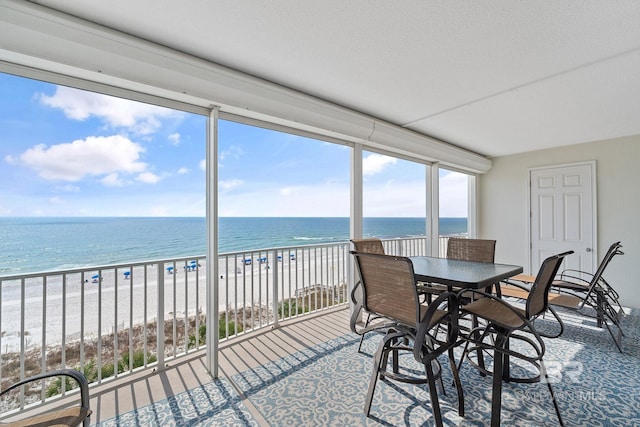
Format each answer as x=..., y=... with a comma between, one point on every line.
x=237, y=355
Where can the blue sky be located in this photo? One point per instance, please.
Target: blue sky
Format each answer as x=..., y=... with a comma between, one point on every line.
x=67, y=152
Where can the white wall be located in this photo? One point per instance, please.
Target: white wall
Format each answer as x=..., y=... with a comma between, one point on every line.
x=503, y=205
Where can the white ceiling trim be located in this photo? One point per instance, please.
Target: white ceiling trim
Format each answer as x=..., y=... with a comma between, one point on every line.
x=40, y=38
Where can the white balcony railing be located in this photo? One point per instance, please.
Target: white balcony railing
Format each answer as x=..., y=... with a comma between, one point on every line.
x=110, y=321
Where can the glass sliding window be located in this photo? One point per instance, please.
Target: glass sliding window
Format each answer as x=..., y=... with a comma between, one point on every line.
x=280, y=189
x=394, y=198
x=453, y=203
x=71, y=153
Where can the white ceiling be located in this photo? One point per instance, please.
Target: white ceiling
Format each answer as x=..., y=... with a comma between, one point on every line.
x=494, y=77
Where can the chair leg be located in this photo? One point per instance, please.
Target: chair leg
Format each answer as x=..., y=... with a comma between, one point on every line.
x=553, y=396
x=496, y=394
x=479, y=355
x=433, y=395
x=374, y=375
x=616, y=339
x=456, y=380
x=379, y=365
x=599, y=309
x=362, y=336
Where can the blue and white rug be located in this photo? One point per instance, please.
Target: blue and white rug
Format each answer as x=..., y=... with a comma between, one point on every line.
x=326, y=386
x=213, y=404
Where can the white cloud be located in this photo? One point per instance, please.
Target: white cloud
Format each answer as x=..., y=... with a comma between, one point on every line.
x=454, y=190
x=174, y=138
x=69, y=188
x=148, y=178
x=290, y=191
x=234, y=152
x=93, y=156
x=375, y=163
x=183, y=171
x=394, y=199
x=56, y=200
x=203, y=164
x=136, y=117
x=112, y=180
x=230, y=184
x=313, y=200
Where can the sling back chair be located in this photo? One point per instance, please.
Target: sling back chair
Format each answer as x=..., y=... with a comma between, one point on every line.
x=581, y=292
x=371, y=246
x=480, y=250
x=505, y=323
x=71, y=416
x=389, y=290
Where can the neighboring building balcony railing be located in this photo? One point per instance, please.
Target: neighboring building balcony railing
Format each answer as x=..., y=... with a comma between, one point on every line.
x=110, y=321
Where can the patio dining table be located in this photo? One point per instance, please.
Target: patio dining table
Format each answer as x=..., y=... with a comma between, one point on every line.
x=458, y=275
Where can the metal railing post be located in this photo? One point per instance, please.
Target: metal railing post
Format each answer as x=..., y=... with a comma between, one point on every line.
x=274, y=255
x=160, y=316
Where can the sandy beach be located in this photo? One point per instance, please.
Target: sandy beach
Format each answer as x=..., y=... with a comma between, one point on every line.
x=240, y=284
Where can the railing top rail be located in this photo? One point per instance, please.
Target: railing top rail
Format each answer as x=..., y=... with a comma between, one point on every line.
x=98, y=268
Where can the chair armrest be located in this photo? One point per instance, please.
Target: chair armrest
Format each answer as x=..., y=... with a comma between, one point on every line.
x=76, y=375
x=519, y=285
x=508, y=288
x=426, y=323
x=499, y=300
x=524, y=278
x=574, y=277
x=525, y=322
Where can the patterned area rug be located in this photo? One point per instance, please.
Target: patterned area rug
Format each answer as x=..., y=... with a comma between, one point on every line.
x=213, y=404
x=326, y=385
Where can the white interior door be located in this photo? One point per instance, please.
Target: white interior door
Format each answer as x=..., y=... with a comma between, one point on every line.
x=563, y=205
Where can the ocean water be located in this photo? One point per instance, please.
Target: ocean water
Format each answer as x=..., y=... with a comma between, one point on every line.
x=45, y=244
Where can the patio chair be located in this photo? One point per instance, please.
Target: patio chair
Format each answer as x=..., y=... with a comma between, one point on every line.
x=369, y=246
x=71, y=416
x=372, y=246
x=583, y=293
x=480, y=250
x=504, y=323
x=388, y=287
